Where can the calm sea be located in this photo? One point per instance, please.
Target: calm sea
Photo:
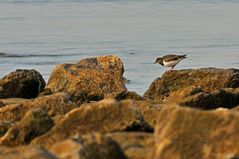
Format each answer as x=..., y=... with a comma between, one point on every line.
x=39, y=34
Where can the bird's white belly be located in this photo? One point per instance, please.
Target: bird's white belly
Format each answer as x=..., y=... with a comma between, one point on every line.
x=171, y=63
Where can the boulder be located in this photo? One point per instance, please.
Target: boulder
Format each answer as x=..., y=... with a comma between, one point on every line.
x=25, y=152
x=104, y=116
x=22, y=83
x=136, y=145
x=99, y=76
x=55, y=104
x=36, y=122
x=90, y=146
x=205, y=79
x=186, y=133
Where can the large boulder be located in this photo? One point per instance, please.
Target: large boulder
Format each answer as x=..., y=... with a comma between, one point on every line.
x=99, y=76
x=186, y=133
x=205, y=79
x=25, y=152
x=90, y=146
x=36, y=122
x=104, y=116
x=22, y=83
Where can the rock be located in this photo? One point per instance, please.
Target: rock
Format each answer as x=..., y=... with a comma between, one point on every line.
x=80, y=97
x=36, y=122
x=1, y=104
x=89, y=146
x=205, y=79
x=21, y=83
x=227, y=98
x=55, y=104
x=25, y=152
x=129, y=95
x=9, y=101
x=189, y=133
x=136, y=145
x=236, y=108
x=4, y=126
x=99, y=76
x=12, y=112
x=103, y=116
x=150, y=111
x=46, y=91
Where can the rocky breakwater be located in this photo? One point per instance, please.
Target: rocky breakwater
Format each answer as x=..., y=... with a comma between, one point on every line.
x=86, y=112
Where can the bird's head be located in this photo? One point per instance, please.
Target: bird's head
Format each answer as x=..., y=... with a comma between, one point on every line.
x=159, y=60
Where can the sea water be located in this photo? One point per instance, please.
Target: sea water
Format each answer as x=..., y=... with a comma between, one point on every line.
x=39, y=34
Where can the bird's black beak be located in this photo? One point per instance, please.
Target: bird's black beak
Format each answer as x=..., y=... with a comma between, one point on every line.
x=155, y=62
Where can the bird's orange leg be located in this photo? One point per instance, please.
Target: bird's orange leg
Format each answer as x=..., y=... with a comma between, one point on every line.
x=170, y=69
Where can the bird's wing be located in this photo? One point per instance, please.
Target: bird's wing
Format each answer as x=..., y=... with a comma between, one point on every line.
x=168, y=58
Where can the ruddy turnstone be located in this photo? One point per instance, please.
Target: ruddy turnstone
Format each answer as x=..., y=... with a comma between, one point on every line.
x=170, y=60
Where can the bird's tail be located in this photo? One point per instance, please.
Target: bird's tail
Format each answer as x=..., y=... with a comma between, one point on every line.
x=183, y=56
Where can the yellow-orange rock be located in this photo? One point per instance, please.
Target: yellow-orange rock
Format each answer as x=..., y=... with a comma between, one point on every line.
x=205, y=79
x=99, y=76
x=36, y=122
x=55, y=104
x=186, y=133
x=25, y=152
x=103, y=116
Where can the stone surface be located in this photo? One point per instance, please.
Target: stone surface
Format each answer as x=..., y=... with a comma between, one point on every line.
x=185, y=133
x=104, y=116
x=55, y=104
x=205, y=79
x=25, y=152
x=4, y=126
x=9, y=101
x=90, y=146
x=21, y=83
x=36, y=122
x=227, y=98
x=129, y=95
x=150, y=111
x=1, y=104
x=136, y=145
x=99, y=76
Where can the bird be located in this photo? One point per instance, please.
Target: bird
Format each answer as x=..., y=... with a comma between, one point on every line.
x=170, y=60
